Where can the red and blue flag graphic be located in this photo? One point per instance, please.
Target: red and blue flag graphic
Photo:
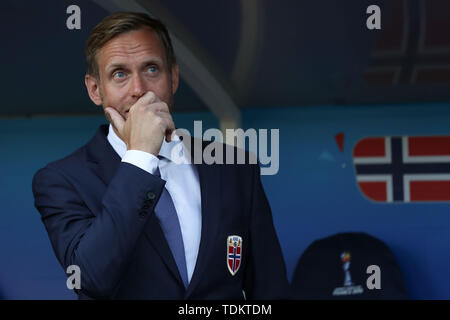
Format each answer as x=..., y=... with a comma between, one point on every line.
x=234, y=253
x=403, y=169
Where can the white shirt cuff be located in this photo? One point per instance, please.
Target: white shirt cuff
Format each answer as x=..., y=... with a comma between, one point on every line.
x=141, y=159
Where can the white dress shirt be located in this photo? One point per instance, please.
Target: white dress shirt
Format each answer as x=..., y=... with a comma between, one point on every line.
x=182, y=183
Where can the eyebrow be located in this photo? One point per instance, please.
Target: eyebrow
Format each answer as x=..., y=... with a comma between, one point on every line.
x=115, y=66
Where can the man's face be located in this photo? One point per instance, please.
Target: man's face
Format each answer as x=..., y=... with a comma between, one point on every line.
x=130, y=65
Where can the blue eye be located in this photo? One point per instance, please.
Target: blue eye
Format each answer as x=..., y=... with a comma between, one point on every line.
x=153, y=69
x=119, y=75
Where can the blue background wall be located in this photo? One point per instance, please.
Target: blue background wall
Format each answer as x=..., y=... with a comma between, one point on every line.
x=313, y=195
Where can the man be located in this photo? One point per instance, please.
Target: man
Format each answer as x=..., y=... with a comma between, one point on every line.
x=138, y=225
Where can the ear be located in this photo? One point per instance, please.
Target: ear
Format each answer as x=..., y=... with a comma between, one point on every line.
x=175, y=78
x=93, y=88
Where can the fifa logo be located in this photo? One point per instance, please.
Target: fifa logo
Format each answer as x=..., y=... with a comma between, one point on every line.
x=349, y=287
x=345, y=258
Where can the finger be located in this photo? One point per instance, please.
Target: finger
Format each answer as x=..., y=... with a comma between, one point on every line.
x=168, y=121
x=148, y=98
x=116, y=119
x=168, y=124
x=169, y=135
x=174, y=136
x=170, y=128
x=160, y=107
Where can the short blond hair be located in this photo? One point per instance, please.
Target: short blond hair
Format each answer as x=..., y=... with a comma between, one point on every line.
x=121, y=22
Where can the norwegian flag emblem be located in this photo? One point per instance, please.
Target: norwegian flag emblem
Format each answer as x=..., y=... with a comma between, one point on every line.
x=234, y=253
x=403, y=169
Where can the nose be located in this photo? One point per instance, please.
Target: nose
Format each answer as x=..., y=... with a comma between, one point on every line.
x=138, y=88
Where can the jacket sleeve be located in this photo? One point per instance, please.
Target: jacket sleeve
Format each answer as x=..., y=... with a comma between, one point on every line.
x=266, y=272
x=101, y=244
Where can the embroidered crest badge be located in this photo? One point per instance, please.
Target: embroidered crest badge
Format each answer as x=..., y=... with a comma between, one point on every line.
x=234, y=253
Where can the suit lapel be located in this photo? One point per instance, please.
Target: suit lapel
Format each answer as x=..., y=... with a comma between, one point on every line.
x=210, y=179
x=105, y=161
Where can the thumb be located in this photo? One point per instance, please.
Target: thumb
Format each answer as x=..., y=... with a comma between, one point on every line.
x=116, y=119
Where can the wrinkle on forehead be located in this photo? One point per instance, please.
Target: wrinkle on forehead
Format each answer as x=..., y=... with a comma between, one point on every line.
x=133, y=44
x=128, y=48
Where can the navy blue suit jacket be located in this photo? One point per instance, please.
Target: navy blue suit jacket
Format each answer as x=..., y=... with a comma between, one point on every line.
x=98, y=212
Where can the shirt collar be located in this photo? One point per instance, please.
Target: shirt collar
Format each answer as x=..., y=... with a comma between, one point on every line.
x=120, y=147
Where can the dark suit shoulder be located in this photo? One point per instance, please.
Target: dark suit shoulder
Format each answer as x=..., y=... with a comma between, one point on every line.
x=78, y=159
x=75, y=160
x=61, y=172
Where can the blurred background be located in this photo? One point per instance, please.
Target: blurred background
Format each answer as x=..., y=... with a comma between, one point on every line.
x=311, y=69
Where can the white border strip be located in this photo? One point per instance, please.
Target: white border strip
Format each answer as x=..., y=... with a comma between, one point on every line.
x=377, y=178
x=377, y=160
x=419, y=159
x=407, y=178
